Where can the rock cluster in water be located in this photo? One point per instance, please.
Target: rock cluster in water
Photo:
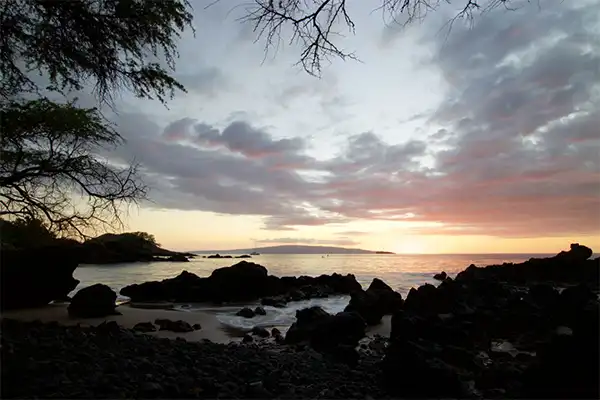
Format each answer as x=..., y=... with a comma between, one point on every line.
x=244, y=281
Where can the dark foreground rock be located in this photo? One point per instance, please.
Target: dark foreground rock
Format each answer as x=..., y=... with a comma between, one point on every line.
x=51, y=361
x=572, y=266
x=481, y=337
x=336, y=335
x=372, y=304
x=93, y=301
x=36, y=276
x=244, y=281
x=173, y=326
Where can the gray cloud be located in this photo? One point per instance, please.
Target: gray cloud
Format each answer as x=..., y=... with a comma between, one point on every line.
x=209, y=81
x=514, y=151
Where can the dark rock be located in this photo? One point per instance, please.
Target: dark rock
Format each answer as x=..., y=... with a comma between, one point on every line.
x=244, y=281
x=34, y=277
x=197, y=327
x=346, y=354
x=425, y=300
x=275, y=332
x=566, y=368
x=570, y=266
x=246, y=313
x=218, y=256
x=108, y=327
x=150, y=389
x=244, y=256
x=93, y=301
x=260, y=311
x=144, y=327
x=278, y=301
x=324, y=331
x=414, y=371
x=375, y=302
x=173, y=326
x=544, y=295
x=442, y=276
x=178, y=258
x=247, y=339
x=260, y=331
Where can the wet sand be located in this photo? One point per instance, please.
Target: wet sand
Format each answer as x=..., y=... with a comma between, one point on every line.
x=212, y=328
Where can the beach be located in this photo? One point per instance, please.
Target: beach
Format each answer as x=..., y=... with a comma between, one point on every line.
x=516, y=330
x=212, y=329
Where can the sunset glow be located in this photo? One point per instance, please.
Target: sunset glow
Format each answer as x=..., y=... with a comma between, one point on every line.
x=482, y=141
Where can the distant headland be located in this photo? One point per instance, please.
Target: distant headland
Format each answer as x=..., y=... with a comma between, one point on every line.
x=294, y=249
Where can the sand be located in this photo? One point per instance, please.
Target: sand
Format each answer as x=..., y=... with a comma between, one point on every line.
x=212, y=328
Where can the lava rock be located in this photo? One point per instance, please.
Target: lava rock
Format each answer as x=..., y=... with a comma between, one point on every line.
x=260, y=311
x=144, y=327
x=246, y=313
x=260, y=331
x=93, y=301
x=375, y=302
x=173, y=326
x=442, y=276
x=34, y=277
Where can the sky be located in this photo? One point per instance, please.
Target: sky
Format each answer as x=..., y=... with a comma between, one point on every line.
x=480, y=139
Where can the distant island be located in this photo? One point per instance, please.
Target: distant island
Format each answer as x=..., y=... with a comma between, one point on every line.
x=293, y=249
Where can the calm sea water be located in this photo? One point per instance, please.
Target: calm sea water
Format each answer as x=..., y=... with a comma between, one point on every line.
x=401, y=272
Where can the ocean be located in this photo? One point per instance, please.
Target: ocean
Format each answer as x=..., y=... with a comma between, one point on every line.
x=401, y=272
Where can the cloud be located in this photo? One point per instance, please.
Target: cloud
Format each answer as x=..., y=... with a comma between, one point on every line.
x=331, y=242
x=512, y=148
x=352, y=233
x=208, y=81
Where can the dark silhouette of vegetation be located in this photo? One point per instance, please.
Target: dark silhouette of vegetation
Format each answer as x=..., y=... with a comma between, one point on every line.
x=49, y=167
x=22, y=232
x=315, y=25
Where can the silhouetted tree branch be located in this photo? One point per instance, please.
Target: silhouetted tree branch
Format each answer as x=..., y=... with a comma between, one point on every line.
x=314, y=24
x=49, y=167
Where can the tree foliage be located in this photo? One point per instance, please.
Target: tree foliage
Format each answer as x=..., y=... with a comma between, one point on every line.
x=24, y=232
x=49, y=164
x=110, y=42
x=316, y=25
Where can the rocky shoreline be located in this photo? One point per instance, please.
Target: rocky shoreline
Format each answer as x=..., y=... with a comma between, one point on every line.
x=493, y=332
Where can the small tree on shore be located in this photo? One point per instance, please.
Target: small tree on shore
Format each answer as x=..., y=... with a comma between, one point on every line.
x=49, y=169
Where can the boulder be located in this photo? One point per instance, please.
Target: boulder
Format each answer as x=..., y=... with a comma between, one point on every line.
x=276, y=301
x=144, y=327
x=178, y=258
x=566, y=368
x=93, y=301
x=261, y=332
x=247, y=338
x=260, y=311
x=441, y=276
x=415, y=371
x=173, y=326
x=246, y=313
x=241, y=282
x=375, y=302
x=36, y=276
x=325, y=331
